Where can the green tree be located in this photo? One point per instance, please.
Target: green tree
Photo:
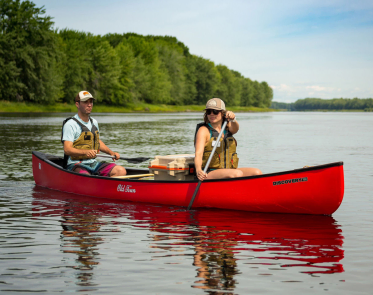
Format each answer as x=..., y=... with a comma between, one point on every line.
x=104, y=77
x=259, y=96
x=40, y=65
x=127, y=63
x=10, y=86
x=247, y=92
x=173, y=63
x=206, y=79
x=229, y=86
x=152, y=84
x=28, y=54
x=190, y=93
x=268, y=94
x=76, y=62
x=90, y=63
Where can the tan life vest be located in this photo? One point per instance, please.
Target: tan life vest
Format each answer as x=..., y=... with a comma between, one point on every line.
x=88, y=139
x=225, y=155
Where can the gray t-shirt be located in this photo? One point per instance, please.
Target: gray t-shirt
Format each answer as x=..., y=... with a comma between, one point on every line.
x=72, y=131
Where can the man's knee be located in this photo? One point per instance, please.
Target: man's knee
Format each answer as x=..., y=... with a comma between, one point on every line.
x=118, y=171
x=81, y=171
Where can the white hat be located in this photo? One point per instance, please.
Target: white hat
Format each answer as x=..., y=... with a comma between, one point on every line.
x=85, y=95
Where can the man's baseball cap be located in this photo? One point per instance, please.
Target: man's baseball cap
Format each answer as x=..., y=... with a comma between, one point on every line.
x=84, y=95
x=215, y=104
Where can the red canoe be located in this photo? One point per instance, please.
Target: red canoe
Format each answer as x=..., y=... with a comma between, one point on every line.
x=311, y=190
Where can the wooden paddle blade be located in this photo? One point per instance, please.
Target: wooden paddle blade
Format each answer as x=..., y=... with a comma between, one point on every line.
x=134, y=176
x=194, y=195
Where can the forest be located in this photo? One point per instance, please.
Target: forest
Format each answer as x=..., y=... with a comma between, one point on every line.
x=42, y=65
x=335, y=104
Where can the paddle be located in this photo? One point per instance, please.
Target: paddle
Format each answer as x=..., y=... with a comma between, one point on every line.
x=208, y=163
x=129, y=160
x=134, y=176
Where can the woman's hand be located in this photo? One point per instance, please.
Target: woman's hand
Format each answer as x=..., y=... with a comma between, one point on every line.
x=230, y=115
x=201, y=175
x=233, y=125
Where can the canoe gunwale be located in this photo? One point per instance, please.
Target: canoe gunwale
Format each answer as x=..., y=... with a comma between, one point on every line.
x=44, y=157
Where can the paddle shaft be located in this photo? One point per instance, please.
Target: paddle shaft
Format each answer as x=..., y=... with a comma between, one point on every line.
x=108, y=156
x=208, y=163
x=134, y=160
x=134, y=176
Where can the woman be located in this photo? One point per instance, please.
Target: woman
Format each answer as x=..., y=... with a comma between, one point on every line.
x=224, y=161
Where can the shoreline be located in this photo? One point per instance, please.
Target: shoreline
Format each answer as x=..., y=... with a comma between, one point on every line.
x=325, y=111
x=7, y=107
x=22, y=107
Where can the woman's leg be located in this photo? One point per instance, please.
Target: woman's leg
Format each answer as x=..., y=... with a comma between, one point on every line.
x=224, y=173
x=232, y=173
x=250, y=171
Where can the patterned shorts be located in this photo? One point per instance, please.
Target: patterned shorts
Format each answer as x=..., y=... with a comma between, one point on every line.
x=96, y=168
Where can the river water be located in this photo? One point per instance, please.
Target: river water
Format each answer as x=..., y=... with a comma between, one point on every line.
x=53, y=242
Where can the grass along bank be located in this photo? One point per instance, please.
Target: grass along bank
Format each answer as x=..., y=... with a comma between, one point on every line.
x=22, y=107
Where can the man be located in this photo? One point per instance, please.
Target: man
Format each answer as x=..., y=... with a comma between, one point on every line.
x=81, y=142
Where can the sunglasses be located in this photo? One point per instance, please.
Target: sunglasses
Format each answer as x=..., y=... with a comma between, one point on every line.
x=215, y=112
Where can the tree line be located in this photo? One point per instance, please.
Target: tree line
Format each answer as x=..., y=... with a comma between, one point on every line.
x=42, y=65
x=335, y=104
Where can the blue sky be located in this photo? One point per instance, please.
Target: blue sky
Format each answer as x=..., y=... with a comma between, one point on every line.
x=302, y=48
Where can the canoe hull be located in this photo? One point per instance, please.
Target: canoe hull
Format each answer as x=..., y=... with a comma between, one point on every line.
x=313, y=190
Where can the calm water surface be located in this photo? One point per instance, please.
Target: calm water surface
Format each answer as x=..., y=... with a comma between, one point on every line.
x=56, y=242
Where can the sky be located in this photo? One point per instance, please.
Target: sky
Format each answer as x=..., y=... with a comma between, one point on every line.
x=301, y=48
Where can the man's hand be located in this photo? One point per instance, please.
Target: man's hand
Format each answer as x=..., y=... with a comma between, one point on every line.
x=116, y=155
x=90, y=154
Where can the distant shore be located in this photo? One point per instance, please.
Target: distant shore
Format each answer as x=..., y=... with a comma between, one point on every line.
x=325, y=111
x=22, y=107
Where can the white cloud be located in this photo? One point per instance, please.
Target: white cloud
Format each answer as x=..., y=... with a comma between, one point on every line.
x=290, y=93
x=319, y=88
x=284, y=88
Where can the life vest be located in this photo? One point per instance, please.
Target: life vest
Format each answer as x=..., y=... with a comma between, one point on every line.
x=88, y=139
x=225, y=155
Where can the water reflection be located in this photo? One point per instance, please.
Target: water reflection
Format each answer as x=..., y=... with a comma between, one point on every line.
x=222, y=245
x=80, y=235
x=216, y=265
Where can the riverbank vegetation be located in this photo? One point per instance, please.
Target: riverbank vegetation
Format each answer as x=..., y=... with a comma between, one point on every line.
x=41, y=65
x=335, y=104
x=27, y=107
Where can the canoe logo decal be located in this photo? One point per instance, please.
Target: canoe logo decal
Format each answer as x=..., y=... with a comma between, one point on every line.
x=287, y=181
x=125, y=188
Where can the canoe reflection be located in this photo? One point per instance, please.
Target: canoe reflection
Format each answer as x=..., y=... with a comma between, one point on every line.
x=221, y=241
